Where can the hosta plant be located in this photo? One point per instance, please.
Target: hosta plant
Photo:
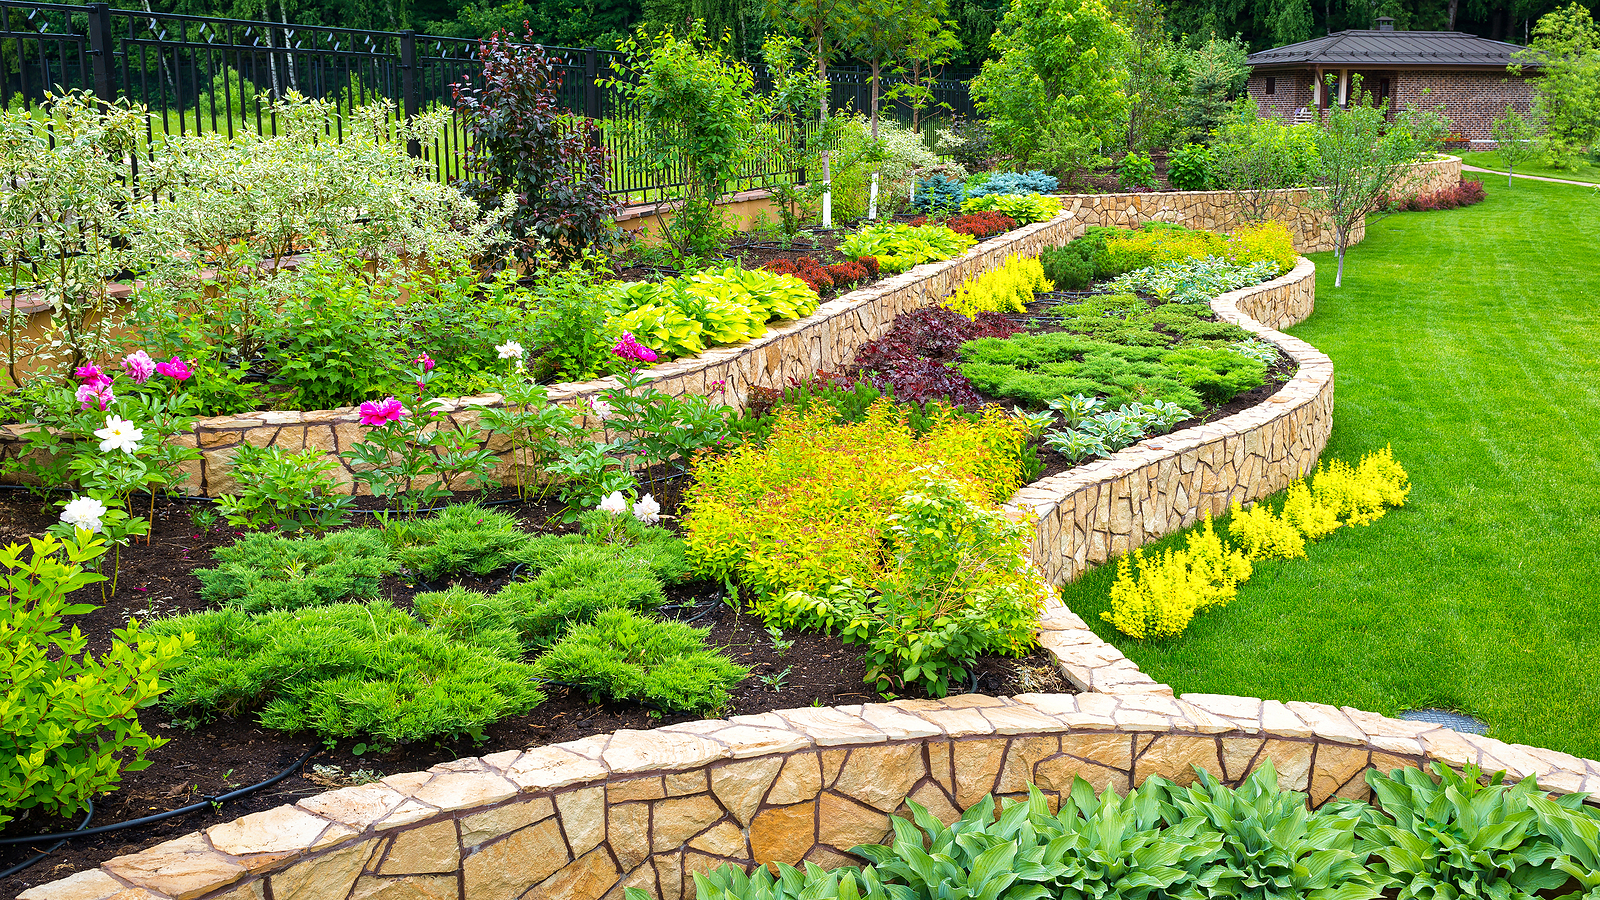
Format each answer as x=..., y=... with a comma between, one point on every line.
x=898, y=247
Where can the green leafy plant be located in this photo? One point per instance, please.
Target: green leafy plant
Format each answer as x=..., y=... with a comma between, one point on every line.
x=624, y=656
x=348, y=670
x=1192, y=167
x=286, y=491
x=1452, y=835
x=1136, y=171
x=461, y=539
x=1024, y=208
x=69, y=723
x=898, y=247
x=270, y=571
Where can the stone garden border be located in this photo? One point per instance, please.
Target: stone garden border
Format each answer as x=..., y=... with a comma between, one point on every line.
x=586, y=819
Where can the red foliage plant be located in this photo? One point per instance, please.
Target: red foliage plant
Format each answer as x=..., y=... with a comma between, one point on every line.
x=1464, y=194
x=916, y=357
x=823, y=279
x=984, y=224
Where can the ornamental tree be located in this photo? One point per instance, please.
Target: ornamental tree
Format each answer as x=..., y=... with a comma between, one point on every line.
x=1566, y=44
x=1514, y=134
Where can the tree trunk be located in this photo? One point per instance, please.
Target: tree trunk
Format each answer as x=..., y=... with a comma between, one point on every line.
x=1339, y=246
x=1453, y=5
x=877, y=67
x=827, y=175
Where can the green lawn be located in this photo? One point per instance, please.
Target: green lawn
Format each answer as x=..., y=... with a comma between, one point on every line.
x=1469, y=340
x=1489, y=159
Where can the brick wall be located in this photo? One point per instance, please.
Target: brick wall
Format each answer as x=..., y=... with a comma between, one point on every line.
x=1472, y=100
x=1291, y=93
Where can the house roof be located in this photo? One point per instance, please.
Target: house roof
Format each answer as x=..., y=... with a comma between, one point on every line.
x=1431, y=49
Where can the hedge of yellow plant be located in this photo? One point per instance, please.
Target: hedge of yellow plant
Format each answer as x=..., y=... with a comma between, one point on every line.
x=1009, y=288
x=809, y=508
x=1160, y=244
x=1159, y=600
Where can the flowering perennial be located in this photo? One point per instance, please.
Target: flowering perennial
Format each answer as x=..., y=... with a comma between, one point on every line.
x=628, y=347
x=382, y=412
x=84, y=512
x=139, y=366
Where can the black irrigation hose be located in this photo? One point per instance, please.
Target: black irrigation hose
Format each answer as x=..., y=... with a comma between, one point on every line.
x=58, y=845
x=160, y=817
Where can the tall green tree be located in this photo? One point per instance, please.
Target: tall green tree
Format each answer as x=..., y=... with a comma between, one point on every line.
x=1360, y=158
x=1567, y=93
x=929, y=47
x=1057, y=91
x=818, y=20
x=1154, y=63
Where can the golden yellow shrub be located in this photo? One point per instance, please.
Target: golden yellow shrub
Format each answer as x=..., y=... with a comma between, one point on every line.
x=1263, y=535
x=1312, y=519
x=1268, y=241
x=1009, y=288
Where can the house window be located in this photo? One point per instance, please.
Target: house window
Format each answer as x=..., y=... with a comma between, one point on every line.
x=1272, y=86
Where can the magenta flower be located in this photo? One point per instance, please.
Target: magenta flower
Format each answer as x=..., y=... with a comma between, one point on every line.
x=425, y=362
x=91, y=376
x=98, y=395
x=628, y=347
x=175, y=368
x=139, y=366
x=382, y=412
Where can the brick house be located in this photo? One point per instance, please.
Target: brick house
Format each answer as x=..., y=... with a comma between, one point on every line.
x=1465, y=73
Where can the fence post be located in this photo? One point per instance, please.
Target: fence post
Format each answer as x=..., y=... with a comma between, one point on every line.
x=410, y=102
x=100, y=51
x=591, y=86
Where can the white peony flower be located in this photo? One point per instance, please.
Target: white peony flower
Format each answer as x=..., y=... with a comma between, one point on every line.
x=509, y=350
x=615, y=504
x=602, y=409
x=647, y=510
x=119, y=434
x=84, y=512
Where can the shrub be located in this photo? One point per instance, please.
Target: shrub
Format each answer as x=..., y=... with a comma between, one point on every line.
x=682, y=316
x=1034, y=182
x=897, y=156
x=623, y=656
x=1136, y=172
x=570, y=334
x=1197, y=281
x=1158, y=243
x=1192, y=167
x=1025, y=209
x=939, y=195
x=461, y=539
x=1009, y=288
x=1264, y=535
x=1172, y=587
x=522, y=142
x=957, y=585
x=269, y=571
x=348, y=670
x=285, y=491
x=1081, y=261
x=898, y=247
x=1268, y=242
x=69, y=725
x=809, y=508
x=826, y=279
x=1464, y=194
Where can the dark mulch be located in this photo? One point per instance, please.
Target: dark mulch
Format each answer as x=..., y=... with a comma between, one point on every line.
x=158, y=580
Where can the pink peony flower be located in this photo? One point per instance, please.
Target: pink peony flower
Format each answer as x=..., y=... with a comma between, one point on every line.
x=92, y=376
x=425, y=362
x=97, y=395
x=139, y=366
x=628, y=347
x=382, y=412
x=175, y=368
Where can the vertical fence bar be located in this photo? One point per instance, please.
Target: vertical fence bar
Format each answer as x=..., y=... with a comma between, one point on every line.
x=100, y=51
x=410, y=102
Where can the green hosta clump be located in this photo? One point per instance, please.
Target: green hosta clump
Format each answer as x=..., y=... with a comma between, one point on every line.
x=1024, y=208
x=1454, y=836
x=269, y=571
x=1272, y=847
x=69, y=722
x=1193, y=280
x=683, y=316
x=898, y=247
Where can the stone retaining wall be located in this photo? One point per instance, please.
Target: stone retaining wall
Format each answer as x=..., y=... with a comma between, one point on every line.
x=1227, y=210
x=1093, y=512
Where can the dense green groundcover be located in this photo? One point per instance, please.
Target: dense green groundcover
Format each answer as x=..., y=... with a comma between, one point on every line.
x=1467, y=340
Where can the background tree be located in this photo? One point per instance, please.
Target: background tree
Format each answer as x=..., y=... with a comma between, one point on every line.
x=1567, y=93
x=1216, y=73
x=1154, y=63
x=1361, y=156
x=928, y=48
x=1514, y=135
x=795, y=92
x=1056, y=92
x=817, y=20
x=1260, y=157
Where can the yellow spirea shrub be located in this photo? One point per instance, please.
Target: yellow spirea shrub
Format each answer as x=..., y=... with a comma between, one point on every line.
x=1171, y=588
x=1154, y=245
x=809, y=508
x=1268, y=241
x=1009, y=288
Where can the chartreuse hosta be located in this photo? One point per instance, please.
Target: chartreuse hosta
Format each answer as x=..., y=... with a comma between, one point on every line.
x=1438, y=837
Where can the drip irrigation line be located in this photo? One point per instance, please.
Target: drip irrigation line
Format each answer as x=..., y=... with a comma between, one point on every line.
x=161, y=817
x=57, y=846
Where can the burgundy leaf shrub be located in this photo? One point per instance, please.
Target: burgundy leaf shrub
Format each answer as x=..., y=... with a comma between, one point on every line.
x=1464, y=194
x=523, y=142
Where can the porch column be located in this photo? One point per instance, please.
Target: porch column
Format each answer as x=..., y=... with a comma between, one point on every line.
x=1344, y=87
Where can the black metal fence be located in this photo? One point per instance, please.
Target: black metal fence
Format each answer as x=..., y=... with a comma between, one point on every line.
x=204, y=75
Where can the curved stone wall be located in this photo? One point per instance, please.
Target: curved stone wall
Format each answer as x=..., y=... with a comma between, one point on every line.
x=647, y=809
x=1227, y=210
x=1093, y=512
